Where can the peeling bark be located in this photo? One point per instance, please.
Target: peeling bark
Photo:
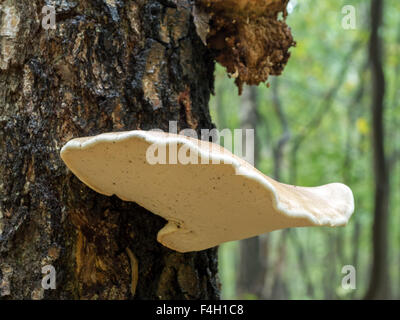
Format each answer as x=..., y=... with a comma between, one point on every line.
x=108, y=66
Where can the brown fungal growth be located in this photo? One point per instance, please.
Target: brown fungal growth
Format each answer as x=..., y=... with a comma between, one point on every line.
x=248, y=37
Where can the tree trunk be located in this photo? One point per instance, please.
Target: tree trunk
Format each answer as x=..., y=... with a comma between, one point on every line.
x=379, y=283
x=108, y=66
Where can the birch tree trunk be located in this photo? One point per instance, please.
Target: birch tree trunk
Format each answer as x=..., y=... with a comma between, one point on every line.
x=107, y=66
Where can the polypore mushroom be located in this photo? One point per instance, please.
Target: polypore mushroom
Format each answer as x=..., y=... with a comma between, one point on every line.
x=205, y=203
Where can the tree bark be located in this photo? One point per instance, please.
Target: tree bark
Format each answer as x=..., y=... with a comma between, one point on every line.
x=108, y=66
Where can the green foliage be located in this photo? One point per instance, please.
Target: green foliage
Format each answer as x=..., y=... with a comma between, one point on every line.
x=322, y=80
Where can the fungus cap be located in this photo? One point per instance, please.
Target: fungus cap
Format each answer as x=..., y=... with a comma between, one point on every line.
x=204, y=204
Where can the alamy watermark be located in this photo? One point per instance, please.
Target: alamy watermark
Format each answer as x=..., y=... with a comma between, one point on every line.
x=49, y=18
x=349, y=21
x=196, y=152
x=49, y=280
x=349, y=280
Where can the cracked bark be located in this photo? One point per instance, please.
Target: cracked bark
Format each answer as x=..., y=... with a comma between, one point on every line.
x=108, y=66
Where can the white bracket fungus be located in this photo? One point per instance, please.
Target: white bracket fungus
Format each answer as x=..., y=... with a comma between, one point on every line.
x=205, y=204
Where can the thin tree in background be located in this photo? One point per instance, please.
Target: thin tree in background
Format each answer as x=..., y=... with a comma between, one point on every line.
x=354, y=110
x=379, y=280
x=279, y=288
x=252, y=265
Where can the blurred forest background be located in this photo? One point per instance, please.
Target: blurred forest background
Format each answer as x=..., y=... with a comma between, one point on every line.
x=333, y=116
